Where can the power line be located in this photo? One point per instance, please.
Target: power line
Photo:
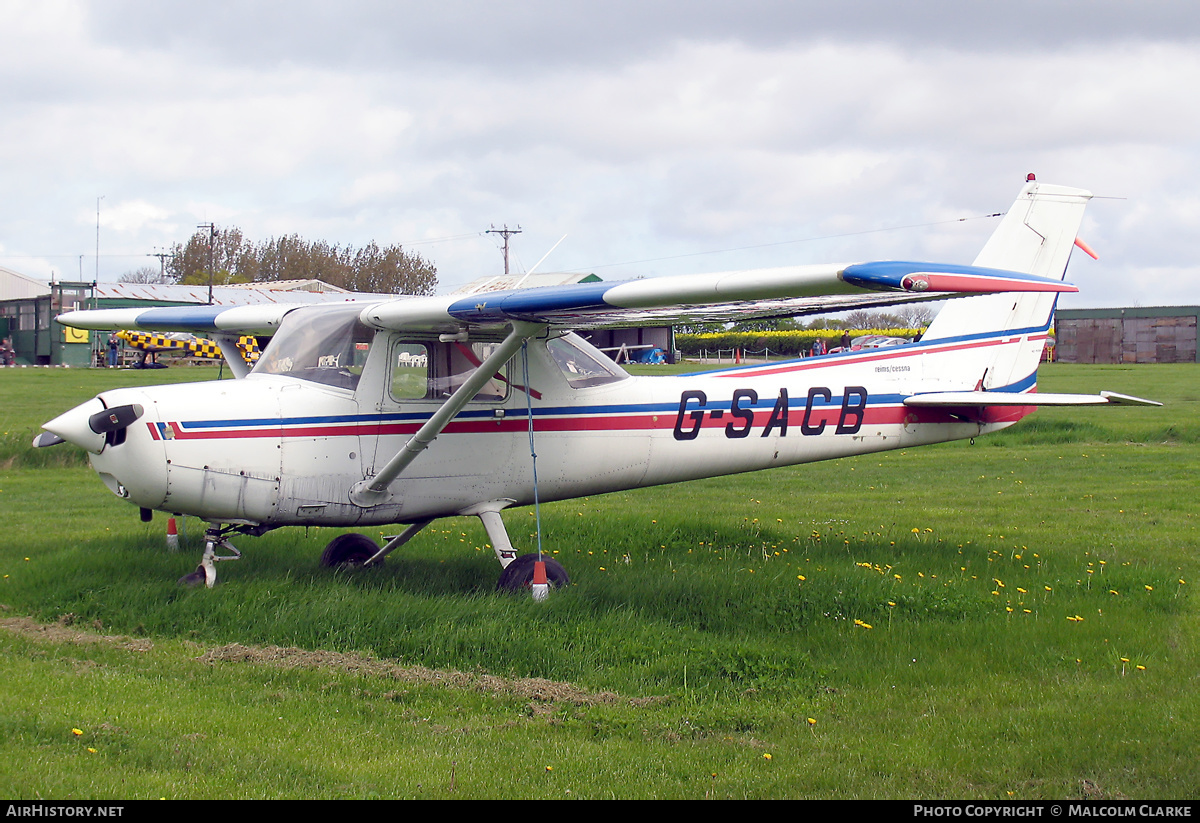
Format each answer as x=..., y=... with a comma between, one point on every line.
x=787, y=242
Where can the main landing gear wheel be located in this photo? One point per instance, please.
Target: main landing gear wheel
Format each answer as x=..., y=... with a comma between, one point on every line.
x=518, y=575
x=348, y=551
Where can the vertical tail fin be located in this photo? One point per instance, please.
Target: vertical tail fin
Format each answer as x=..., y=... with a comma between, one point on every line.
x=1036, y=236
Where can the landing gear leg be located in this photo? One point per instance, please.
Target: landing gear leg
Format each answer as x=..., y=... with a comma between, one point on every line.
x=496, y=532
x=206, y=572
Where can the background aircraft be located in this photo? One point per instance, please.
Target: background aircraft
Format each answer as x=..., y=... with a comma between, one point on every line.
x=182, y=344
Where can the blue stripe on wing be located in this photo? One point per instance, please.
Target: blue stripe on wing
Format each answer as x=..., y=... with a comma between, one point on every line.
x=194, y=317
x=530, y=304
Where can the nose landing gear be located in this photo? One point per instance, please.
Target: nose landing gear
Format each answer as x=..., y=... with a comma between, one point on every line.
x=206, y=572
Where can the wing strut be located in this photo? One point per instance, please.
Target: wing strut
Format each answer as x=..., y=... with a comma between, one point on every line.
x=233, y=356
x=374, y=490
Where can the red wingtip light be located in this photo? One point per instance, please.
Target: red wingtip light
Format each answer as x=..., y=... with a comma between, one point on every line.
x=1086, y=249
x=1029, y=178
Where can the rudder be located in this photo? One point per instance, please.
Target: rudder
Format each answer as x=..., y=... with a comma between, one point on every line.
x=1036, y=237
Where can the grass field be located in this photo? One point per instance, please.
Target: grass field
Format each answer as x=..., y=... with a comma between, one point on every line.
x=1006, y=620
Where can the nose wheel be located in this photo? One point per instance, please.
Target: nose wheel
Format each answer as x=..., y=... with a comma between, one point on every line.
x=206, y=572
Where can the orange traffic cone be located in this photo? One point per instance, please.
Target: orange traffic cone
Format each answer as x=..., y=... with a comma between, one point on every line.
x=172, y=535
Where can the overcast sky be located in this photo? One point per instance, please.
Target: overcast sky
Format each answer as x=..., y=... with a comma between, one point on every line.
x=658, y=137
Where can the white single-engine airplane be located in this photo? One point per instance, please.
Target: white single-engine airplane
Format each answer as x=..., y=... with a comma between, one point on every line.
x=416, y=408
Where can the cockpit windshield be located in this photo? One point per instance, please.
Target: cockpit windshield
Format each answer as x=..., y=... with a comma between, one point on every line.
x=325, y=345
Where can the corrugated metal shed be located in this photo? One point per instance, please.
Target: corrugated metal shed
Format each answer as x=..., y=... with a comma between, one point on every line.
x=15, y=286
x=525, y=281
x=1156, y=334
x=293, y=285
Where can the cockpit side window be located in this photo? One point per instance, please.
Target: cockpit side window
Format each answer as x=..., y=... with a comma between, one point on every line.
x=429, y=370
x=324, y=345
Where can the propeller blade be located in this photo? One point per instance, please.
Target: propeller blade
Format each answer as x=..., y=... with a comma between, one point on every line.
x=46, y=439
x=115, y=419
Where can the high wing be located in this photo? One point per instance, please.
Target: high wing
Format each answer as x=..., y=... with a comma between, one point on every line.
x=787, y=291
x=260, y=319
x=724, y=296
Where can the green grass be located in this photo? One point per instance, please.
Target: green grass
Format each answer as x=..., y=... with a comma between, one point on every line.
x=1011, y=619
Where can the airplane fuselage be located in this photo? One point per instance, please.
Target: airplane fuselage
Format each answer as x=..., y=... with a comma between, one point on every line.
x=274, y=450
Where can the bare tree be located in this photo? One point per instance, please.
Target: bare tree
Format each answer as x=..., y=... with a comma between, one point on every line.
x=145, y=275
x=917, y=315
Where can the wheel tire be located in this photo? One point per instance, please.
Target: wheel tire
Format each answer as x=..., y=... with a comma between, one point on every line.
x=518, y=575
x=348, y=551
x=196, y=578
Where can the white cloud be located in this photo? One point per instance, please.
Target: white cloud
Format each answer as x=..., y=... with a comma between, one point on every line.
x=641, y=133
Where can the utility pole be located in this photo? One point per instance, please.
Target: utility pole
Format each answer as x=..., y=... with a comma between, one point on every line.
x=212, y=239
x=162, y=264
x=506, y=233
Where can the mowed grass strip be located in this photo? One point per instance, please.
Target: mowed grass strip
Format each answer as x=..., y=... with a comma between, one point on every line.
x=1009, y=619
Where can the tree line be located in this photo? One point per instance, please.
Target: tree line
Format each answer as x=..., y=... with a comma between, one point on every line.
x=235, y=259
x=911, y=316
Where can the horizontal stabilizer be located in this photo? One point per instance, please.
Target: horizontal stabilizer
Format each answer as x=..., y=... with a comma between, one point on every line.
x=989, y=398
